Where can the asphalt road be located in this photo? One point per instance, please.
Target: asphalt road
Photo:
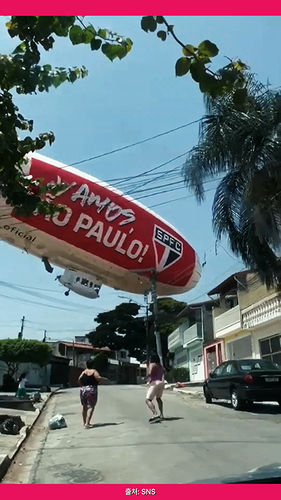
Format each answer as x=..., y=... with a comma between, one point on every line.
x=195, y=442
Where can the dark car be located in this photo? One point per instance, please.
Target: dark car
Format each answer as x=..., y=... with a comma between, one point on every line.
x=244, y=381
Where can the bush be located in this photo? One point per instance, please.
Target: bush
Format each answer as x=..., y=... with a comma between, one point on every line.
x=9, y=384
x=177, y=375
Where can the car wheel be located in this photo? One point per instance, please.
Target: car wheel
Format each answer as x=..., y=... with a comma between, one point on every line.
x=236, y=402
x=207, y=395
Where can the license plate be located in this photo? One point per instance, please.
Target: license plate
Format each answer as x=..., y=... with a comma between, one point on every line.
x=272, y=379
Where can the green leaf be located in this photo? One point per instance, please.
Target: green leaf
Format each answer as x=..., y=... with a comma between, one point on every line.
x=148, y=23
x=102, y=33
x=162, y=35
x=197, y=70
x=182, y=66
x=123, y=52
x=160, y=19
x=189, y=50
x=95, y=44
x=47, y=67
x=203, y=59
x=207, y=83
x=72, y=76
x=208, y=48
x=88, y=35
x=75, y=35
x=112, y=51
x=20, y=49
x=128, y=43
x=144, y=25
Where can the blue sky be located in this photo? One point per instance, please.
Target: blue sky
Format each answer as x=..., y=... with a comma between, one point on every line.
x=117, y=104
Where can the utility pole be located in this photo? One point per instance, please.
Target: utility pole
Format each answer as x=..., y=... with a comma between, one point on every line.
x=155, y=310
x=20, y=335
x=146, y=328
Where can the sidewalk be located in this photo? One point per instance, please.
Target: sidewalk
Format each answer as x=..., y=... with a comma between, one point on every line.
x=9, y=445
x=190, y=388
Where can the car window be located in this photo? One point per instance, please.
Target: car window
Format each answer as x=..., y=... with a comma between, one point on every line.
x=259, y=364
x=229, y=369
x=218, y=371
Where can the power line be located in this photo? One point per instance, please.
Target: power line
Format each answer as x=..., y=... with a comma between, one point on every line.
x=212, y=281
x=180, y=198
x=135, y=143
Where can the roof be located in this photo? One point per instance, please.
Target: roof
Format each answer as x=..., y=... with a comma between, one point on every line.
x=191, y=307
x=226, y=285
x=82, y=345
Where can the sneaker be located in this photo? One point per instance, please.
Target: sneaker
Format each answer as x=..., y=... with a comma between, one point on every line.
x=89, y=426
x=154, y=419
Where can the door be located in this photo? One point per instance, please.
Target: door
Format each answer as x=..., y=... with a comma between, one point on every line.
x=196, y=366
x=215, y=382
x=229, y=376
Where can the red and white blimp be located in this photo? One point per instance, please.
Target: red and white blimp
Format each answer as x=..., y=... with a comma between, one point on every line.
x=103, y=237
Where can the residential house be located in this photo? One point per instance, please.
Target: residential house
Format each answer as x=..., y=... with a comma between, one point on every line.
x=69, y=359
x=131, y=371
x=187, y=341
x=246, y=318
x=260, y=317
x=230, y=340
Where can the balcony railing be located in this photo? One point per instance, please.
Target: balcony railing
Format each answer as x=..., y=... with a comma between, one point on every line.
x=192, y=333
x=175, y=339
x=227, y=323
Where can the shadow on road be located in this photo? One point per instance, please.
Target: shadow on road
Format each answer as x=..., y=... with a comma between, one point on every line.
x=105, y=424
x=257, y=408
x=170, y=419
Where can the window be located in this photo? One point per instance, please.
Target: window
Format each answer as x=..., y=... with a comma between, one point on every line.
x=62, y=349
x=231, y=302
x=123, y=354
x=270, y=349
x=229, y=369
x=258, y=364
x=218, y=371
x=182, y=358
x=84, y=281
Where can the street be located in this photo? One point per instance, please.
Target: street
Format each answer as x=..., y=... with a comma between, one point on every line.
x=195, y=442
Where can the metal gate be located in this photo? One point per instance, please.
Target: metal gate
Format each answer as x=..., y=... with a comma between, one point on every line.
x=240, y=348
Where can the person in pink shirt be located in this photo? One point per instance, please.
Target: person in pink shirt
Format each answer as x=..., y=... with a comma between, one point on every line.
x=156, y=387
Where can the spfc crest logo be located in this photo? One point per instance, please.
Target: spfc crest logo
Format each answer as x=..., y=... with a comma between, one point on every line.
x=168, y=249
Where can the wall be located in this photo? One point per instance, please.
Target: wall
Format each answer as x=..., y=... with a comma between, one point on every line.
x=263, y=332
x=196, y=365
x=218, y=310
x=254, y=293
x=36, y=376
x=181, y=359
x=208, y=325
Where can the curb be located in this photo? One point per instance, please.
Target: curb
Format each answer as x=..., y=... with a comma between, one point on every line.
x=196, y=394
x=6, y=460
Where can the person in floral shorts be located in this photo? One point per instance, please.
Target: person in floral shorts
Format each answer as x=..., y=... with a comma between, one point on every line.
x=89, y=381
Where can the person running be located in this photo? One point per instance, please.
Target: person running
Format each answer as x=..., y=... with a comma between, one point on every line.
x=156, y=387
x=89, y=381
x=21, y=392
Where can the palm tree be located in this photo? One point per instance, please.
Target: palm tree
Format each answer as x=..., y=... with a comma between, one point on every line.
x=242, y=141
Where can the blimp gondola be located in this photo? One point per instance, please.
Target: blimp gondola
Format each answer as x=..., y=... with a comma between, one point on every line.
x=103, y=237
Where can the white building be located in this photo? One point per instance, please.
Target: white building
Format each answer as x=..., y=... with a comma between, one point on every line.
x=186, y=341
